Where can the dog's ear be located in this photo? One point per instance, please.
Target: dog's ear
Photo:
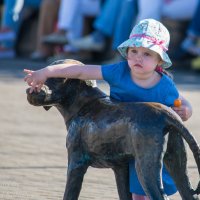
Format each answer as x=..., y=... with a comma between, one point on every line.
x=47, y=107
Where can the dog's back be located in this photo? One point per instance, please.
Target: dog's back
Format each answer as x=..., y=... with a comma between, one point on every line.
x=110, y=131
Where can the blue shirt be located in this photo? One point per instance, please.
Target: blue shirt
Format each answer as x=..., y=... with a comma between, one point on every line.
x=123, y=88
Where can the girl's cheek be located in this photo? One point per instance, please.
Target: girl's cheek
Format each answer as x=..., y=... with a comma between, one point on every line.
x=128, y=57
x=130, y=63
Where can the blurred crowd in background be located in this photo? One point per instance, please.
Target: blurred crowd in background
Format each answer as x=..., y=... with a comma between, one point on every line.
x=91, y=30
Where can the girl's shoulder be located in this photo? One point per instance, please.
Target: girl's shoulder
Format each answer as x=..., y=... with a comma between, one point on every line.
x=118, y=65
x=170, y=90
x=114, y=70
x=166, y=80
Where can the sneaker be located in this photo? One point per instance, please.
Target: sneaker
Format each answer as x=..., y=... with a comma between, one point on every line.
x=7, y=35
x=55, y=39
x=88, y=43
x=6, y=52
x=196, y=64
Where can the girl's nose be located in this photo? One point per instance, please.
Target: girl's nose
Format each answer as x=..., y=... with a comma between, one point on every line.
x=139, y=57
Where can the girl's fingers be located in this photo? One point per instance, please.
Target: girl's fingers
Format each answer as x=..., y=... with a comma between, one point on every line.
x=32, y=81
x=33, y=86
x=39, y=86
x=27, y=77
x=31, y=90
x=28, y=71
x=177, y=108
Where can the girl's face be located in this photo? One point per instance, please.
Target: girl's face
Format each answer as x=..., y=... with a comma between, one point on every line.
x=142, y=60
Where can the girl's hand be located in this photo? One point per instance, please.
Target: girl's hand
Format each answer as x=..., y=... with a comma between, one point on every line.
x=35, y=79
x=183, y=108
x=183, y=111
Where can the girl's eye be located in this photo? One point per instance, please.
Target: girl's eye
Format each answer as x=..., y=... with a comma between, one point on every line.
x=133, y=51
x=147, y=54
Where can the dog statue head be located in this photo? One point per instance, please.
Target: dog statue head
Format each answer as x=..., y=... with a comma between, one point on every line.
x=63, y=92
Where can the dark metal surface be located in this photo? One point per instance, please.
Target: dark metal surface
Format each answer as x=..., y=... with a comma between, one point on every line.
x=102, y=133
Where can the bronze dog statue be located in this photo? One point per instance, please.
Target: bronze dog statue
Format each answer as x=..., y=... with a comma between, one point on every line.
x=104, y=133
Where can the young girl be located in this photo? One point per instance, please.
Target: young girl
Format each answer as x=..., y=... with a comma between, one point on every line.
x=142, y=77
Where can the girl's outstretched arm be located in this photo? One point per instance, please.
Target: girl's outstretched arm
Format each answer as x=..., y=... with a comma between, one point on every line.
x=36, y=79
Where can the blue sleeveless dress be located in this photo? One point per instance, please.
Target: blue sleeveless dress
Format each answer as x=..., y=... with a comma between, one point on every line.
x=123, y=88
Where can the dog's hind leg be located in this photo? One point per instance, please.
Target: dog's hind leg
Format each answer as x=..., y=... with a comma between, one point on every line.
x=122, y=180
x=176, y=163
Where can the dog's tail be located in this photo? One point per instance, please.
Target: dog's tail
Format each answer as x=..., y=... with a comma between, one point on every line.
x=178, y=126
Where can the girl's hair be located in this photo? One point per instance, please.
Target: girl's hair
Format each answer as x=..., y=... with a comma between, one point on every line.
x=160, y=70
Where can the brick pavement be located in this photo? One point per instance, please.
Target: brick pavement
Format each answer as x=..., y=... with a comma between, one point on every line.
x=32, y=146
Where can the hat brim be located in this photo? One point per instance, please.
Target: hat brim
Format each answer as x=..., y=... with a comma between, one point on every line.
x=142, y=42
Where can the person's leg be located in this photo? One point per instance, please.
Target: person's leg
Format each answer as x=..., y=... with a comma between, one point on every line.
x=139, y=197
x=194, y=28
x=189, y=44
x=88, y=8
x=46, y=25
x=126, y=18
x=179, y=10
x=8, y=18
x=67, y=13
x=84, y=8
x=32, y=3
x=11, y=21
x=149, y=9
x=106, y=21
x=103, y=27
x=9, y=29
x=70, y=23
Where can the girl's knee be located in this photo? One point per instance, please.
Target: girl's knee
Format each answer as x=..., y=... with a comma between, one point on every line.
x=139, y=197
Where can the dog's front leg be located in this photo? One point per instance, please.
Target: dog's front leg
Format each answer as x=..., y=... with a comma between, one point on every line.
x=122, y=180
x=75, y=173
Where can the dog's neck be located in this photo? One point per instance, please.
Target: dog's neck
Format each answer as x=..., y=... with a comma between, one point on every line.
x=83, y=98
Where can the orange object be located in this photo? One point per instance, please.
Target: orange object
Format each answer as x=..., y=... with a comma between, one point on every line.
x=177, y=102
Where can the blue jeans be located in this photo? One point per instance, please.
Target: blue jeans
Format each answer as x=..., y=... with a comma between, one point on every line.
x=9, y=20
x=136, y=187
x=8, y=15
x=117, y=18
x=195, y=23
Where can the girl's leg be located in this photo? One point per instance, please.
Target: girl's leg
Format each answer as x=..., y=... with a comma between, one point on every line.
x=139, y=197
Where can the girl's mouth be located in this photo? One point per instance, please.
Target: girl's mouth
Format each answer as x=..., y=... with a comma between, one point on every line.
x=138, y=65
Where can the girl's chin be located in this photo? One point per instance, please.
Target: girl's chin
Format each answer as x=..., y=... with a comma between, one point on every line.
x=137, y=68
